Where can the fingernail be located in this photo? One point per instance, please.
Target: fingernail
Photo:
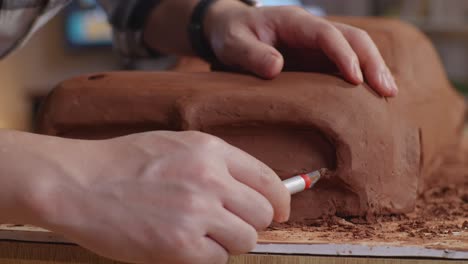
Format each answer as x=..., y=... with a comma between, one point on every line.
x=358, y=72
x=389, y=82
x=284, y=219
x=270, y=66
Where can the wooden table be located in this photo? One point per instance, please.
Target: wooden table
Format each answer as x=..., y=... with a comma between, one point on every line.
x=47, y=248
x=43, y=253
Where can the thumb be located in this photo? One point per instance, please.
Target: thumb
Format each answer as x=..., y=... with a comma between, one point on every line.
x=250, y=54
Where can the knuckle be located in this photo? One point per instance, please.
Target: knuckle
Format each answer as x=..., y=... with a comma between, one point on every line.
x=265, y=176
x=295, y=10
x=215, y=183
x=194, y=204
x=207, y=176
x=201, y=168
x=207, y=142
x=231, y=36
x=229, y=46
x=294, y=14
x=326, y=29
x=181, y=239
x=359, y=35
x=362, y=34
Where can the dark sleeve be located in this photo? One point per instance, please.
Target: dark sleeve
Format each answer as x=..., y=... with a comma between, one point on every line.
x=128, y=41
x=19, y=20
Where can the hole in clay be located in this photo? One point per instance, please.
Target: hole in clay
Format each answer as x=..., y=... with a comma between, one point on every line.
x=287, y=149
x=96, y=77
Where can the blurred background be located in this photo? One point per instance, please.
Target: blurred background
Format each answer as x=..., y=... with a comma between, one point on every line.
x=78, y=41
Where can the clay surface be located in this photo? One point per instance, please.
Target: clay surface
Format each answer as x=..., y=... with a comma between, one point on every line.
x=440, y=219
x=382, y=151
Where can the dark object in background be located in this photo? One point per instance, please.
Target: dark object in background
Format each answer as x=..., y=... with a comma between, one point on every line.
x=86, y=25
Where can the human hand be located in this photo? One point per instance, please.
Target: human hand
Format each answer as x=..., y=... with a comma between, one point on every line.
x=267, y=39
x=163, y=197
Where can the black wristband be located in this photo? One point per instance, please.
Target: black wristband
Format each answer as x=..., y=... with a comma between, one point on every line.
x=200, y=44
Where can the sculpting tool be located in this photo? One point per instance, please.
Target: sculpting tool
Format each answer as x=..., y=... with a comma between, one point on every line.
x=303, y=182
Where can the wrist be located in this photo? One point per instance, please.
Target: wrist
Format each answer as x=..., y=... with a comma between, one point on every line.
x=36, y=174
x=24, y=177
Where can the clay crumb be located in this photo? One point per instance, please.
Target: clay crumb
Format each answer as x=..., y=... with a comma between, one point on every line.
x=343, y=222
x=325, y=173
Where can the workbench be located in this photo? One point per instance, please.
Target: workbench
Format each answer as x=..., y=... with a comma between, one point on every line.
x=26, y=253
x=419, y=237
x=24, y=245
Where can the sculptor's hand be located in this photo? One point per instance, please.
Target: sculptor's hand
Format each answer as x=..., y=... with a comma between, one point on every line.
x=164, y=197
x=251, y=39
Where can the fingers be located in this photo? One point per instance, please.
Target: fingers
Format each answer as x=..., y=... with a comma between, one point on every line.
x=256, y=175
x=305, y=31
x=242, y=49
x=235, y=235
x=249, y=205
x=241, y=167
x=376, y=71
x=335, y=46
x=249, y=46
